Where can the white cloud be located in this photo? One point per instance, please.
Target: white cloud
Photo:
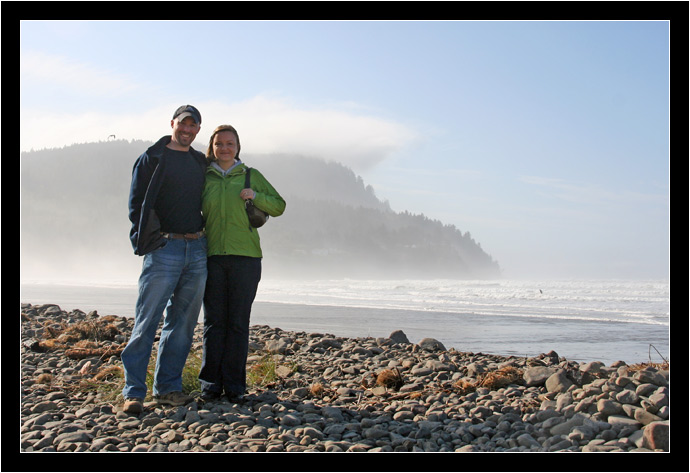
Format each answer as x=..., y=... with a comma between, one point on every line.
x=345, y=132
x=268, y=125
x=265, y=125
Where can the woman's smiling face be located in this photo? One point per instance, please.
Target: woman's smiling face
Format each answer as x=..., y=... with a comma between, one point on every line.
x=225, y=148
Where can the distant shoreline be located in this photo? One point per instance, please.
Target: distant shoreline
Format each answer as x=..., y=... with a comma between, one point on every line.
x=524, y=335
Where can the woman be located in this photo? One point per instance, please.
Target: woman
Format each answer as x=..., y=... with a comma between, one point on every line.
x=234, y=263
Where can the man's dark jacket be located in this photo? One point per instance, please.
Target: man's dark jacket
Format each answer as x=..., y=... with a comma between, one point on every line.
x=147, y=175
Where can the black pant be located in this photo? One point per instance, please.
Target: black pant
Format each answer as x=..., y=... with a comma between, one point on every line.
x=230, y=290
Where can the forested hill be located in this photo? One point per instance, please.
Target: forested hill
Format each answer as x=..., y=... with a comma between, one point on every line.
x=74, y=218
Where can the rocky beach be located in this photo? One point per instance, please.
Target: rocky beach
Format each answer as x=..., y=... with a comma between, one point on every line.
x=323, y=393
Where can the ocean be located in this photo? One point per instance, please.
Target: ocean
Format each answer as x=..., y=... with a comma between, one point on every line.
x=581, y=320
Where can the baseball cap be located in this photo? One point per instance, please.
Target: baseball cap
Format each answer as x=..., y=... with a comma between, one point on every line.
x=184, y=111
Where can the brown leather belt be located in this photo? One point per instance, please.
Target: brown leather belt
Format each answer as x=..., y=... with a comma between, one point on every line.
x=184, y=236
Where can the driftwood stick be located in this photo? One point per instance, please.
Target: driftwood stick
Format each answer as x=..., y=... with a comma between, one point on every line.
x=650, y=353
x=79, y=353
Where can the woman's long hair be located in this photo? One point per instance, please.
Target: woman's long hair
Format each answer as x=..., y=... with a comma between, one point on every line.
x=210, y=157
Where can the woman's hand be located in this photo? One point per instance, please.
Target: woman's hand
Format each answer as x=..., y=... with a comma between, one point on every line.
x=247, y=194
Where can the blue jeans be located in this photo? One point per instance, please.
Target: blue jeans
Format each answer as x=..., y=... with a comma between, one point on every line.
x=173, y=277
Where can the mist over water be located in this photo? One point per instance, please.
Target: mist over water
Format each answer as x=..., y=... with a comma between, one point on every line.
x=344, y=263
x=75, y=226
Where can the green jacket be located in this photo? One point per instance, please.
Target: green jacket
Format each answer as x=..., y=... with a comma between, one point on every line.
x=227, y=226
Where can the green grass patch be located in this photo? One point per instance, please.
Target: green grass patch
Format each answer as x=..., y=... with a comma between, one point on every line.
x=190, y=374
x=262, y=373
x=109, y=388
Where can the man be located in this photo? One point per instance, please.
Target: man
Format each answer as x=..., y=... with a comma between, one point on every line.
x=167, y=230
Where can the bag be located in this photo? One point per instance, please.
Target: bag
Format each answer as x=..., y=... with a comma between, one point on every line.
x=256, y=217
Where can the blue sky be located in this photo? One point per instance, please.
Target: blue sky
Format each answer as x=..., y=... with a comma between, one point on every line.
x=548, y=141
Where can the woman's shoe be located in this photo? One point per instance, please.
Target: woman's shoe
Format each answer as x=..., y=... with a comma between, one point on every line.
x=210, y=397
x=235, y=398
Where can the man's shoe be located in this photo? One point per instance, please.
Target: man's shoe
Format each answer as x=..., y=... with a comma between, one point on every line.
x=176, y=398
x=133, y=405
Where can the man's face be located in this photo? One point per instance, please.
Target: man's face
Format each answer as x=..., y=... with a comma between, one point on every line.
x=183, y=133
